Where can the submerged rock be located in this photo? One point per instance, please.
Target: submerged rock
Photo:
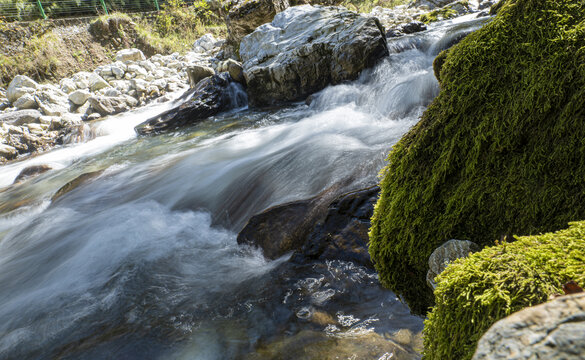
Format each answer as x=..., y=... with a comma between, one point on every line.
x=306, y=48
x=322, y=227
x=343, y=233
x=75, y=183
x=282, y=228
x=320, y=345
x=31, y=171
x=211, y=96
x=553, y=331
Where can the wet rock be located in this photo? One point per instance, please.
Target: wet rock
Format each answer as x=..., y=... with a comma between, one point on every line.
x=404, y=29
x=197, y=73
x=551, y=331
x=282, y=228
x=75, y=183
x=26, y=101
x=446, y=253
x=412, y=27
x=130, y=55
x=247, y=15
x=19, y=86
x=343, y=234
x=31, y=171
x=306, y=48
x=323, y=227
x=320, y=345
x=486, y=5
x=210, y=97
x=20, y=117
x=235, y=70
x=108, y=105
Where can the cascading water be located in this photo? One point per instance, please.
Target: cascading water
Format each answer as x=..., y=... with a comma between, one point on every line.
x=142, y=262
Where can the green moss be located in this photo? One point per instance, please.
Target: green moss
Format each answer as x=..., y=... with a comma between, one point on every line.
x=437, y=15
x=501, y=150
x=475, y=292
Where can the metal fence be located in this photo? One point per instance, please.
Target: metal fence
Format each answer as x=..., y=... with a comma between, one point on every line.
x=23, y=10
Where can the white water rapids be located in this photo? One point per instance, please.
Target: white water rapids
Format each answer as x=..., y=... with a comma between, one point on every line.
x=142, y=261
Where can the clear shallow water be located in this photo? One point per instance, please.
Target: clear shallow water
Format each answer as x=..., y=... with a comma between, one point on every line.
x=142, y=261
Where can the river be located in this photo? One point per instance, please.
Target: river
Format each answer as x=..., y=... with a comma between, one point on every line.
x=142, y=261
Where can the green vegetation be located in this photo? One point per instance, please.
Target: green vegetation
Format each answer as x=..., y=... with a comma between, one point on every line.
x=177, y=26
x=33, y=49
x=18, y=10
x=366, y=6
x=475, y=292
x=437, y=15
x=501, y=150
x=40, y=56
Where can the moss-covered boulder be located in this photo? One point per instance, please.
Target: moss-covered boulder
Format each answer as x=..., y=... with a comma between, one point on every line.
x=501, y=150
x=474, y=293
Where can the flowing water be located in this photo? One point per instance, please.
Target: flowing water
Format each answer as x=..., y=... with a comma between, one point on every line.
x=142, y=261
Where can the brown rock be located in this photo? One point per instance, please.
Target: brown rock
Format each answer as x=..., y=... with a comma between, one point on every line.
x=317, y=228
x=75, y=183
x=31, y=171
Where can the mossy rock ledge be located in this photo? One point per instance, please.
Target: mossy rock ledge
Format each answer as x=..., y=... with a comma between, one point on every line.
x=475, y=292
x=501, y=150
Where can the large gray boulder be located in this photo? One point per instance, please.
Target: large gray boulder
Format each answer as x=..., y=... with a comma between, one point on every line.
x=306, y=48
x=247, y=15
x=553, y=331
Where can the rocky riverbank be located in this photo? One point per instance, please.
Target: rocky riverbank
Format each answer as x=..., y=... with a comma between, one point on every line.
x=36, y=117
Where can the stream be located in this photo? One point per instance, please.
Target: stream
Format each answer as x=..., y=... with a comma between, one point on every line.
x=142, y=261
